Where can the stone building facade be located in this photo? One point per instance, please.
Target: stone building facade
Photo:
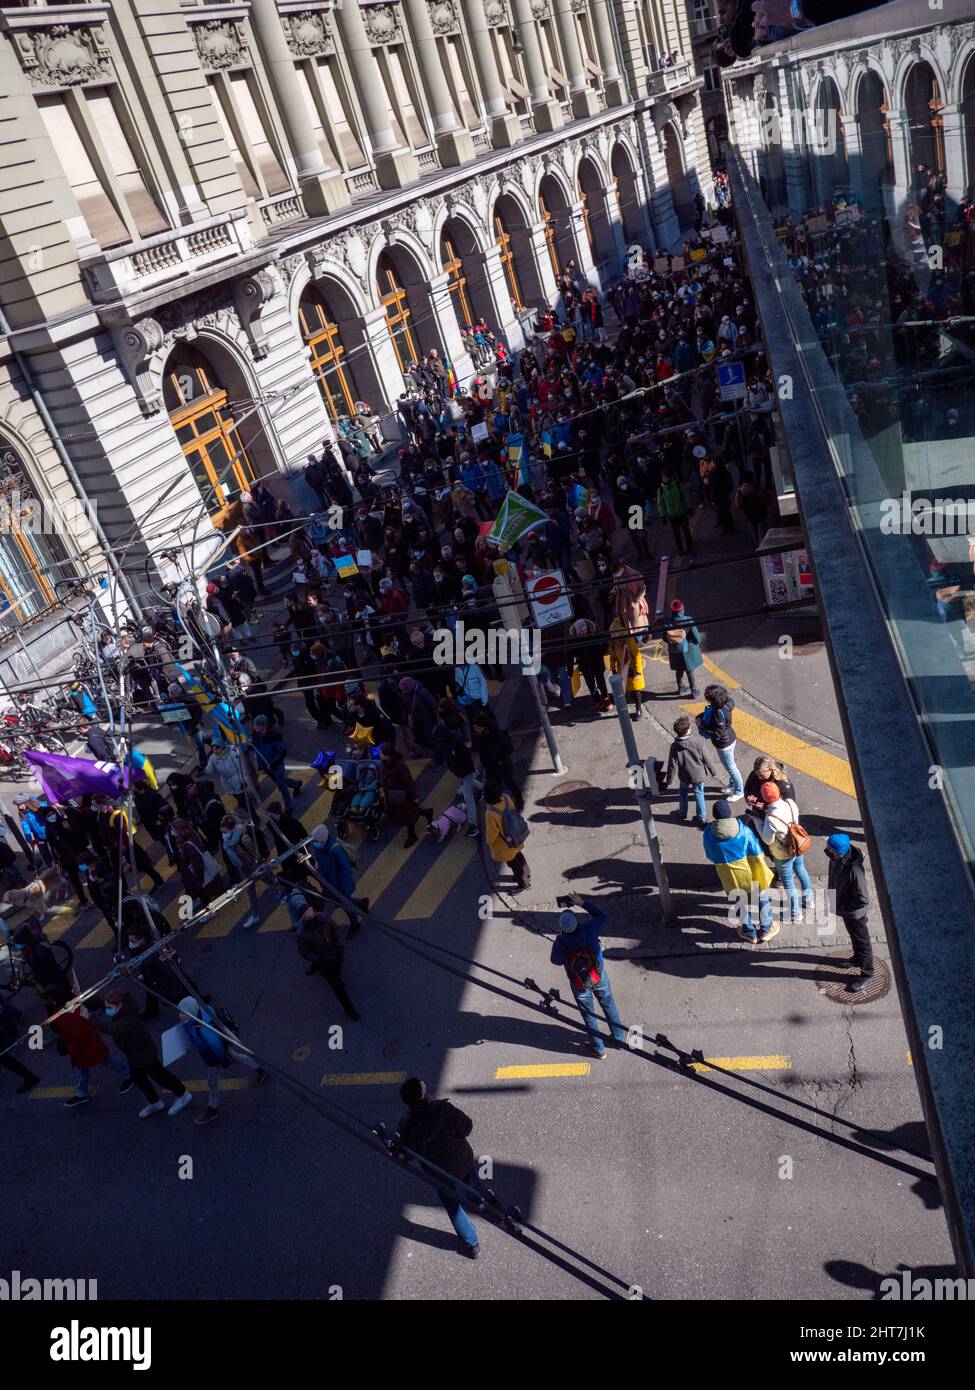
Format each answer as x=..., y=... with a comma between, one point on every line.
x=224, y=223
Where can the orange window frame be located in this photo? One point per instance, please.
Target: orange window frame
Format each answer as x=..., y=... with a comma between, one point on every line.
x=213, y=401
x=327, y=351
x=503, y=243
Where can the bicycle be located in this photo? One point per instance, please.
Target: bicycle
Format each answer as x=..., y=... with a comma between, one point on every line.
x=16, y=974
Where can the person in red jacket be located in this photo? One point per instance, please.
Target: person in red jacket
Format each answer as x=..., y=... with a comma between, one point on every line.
x=84, y=1049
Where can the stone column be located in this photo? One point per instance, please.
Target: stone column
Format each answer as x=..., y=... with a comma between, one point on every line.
x=323, y=190
x=394, y=165
x=583, y=251
x=954, y=136
x=546, y=111
x=614, y=86
x=900, y=139
x=442, y=309
x=379, y=348
x=503, y=125
x=454, y=143
x=585, y=102
x=497, y=286
x=665, y=222
x=543, y=262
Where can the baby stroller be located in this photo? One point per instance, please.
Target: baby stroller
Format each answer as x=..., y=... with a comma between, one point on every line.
x=360, y=800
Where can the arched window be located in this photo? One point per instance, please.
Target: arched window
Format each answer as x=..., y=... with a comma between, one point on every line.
x=503, y=243
x=393, y=298
x=203, y=418
x=457, y=282
x=321, y=335
x=31, y=560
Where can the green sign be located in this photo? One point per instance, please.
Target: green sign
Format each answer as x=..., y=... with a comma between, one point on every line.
x=516, y=518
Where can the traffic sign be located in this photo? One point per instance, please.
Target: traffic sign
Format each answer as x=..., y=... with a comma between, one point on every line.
x=549, y=599
x=731, y=379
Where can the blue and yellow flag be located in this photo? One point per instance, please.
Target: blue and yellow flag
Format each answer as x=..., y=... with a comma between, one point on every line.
x=223, y=718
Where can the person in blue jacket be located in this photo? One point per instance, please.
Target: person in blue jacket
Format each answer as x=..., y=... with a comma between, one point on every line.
x=579, y=950
x=269, y=752
x=335, y=868
x=217, y=1053
x=33, y=824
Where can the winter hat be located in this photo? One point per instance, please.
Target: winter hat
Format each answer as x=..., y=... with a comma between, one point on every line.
x=407, y=684
x=722, y=810
x=211, y=588
x=385, y=585
x=320, y=834
x=676, y=606
x=468, y=582
x=568, y=921
x=838, y=844
x=699, y=451
x=412, y=1091
x=262, y=720
x=190, y=1006
x=770, y=792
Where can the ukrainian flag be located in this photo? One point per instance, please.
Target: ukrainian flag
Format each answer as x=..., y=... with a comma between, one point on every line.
x=224, y=719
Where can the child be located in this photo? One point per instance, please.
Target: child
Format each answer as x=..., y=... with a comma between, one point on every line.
x=367, y=779
x=690, y=757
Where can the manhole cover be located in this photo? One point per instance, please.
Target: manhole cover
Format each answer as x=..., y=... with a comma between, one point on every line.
x=300, y=1054
x=570, y=796
x=808, y=649
x=834, y=973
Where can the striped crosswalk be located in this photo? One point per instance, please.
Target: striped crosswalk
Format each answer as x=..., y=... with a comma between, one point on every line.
x=404, y=887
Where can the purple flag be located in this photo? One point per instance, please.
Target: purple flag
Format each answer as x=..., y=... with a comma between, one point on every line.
x=63, y=777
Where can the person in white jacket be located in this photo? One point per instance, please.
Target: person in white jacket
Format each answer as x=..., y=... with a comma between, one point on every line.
x=472, y=688
x=224, y=766
x=780, y=813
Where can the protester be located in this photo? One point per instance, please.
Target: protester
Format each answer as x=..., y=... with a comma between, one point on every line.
x=79, y=1041
x=736, y=853
x=201, y=1023
x=506, y=832
x=402, y=800
x=437, y=1131
x=318, y=942
x=335, y=869
x=778, y=830
x=715, y=723
x=690, y=760
x=119, y=1018
x=579, y=950
x=847, y=885
x=683, y=647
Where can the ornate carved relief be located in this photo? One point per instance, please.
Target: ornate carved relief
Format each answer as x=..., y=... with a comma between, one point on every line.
x=136, y=344
x=220, y=44
x=443, y=16
x=347, y=247
x=540, y=9
x=495, y=12
x=580, y=6
x=64, y=55
x=250, y=297
x=308, y=33
x=382, y=23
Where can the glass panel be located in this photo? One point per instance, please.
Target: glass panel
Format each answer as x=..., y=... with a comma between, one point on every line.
x=258, y=139
x=339, y=122
x=247, y=179
x=97, y=208
x=124, y=164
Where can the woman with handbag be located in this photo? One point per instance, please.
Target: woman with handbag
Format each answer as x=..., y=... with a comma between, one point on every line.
x=198, y=869
x=683, y=647
x=787, y=841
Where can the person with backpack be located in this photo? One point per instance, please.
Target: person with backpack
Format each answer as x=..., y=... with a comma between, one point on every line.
x=787, y=841
x=437, y=1131
x=268, y=753
x=199, y=871
x=847, y=883
x=690, y=759
x=715, y=723
x=336, y=870
x=240, y=855
x=683, y=647
x=494, y=747
x=216, y=1051
x=579, y=950
x=506, y=830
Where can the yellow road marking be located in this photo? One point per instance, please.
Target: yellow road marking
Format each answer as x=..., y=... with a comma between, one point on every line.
x=364, y=1078
x=98, y=936
x=391, y=859
x=744, y=1064
x=909, y=1058
x=543, y=1069
x=438, y=880
x=794, y=752
x=233, y=1083
x=722, y=676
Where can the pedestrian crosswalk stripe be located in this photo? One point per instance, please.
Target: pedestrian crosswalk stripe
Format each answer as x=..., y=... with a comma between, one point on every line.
x=543, y=1070
x=364, y=1078
x=387, y=865
x=438, y=880
x=101, y=935
x=794, y=752
x=230, y=1083
x=771, y=1063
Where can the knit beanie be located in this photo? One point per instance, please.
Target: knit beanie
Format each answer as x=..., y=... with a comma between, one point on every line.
x=770, y=792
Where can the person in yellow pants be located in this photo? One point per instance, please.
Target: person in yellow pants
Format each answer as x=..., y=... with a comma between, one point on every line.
x=620, y=643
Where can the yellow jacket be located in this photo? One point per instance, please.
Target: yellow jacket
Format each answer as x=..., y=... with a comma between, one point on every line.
x=501, y=852
x=634, y=677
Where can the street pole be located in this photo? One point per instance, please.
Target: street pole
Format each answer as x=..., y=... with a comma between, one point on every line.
x=513, y=608
x=617, y=685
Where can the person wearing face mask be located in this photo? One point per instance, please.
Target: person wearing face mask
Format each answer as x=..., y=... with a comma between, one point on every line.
x=201, y=1022
x=83, y=1047
x=120, y=1020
